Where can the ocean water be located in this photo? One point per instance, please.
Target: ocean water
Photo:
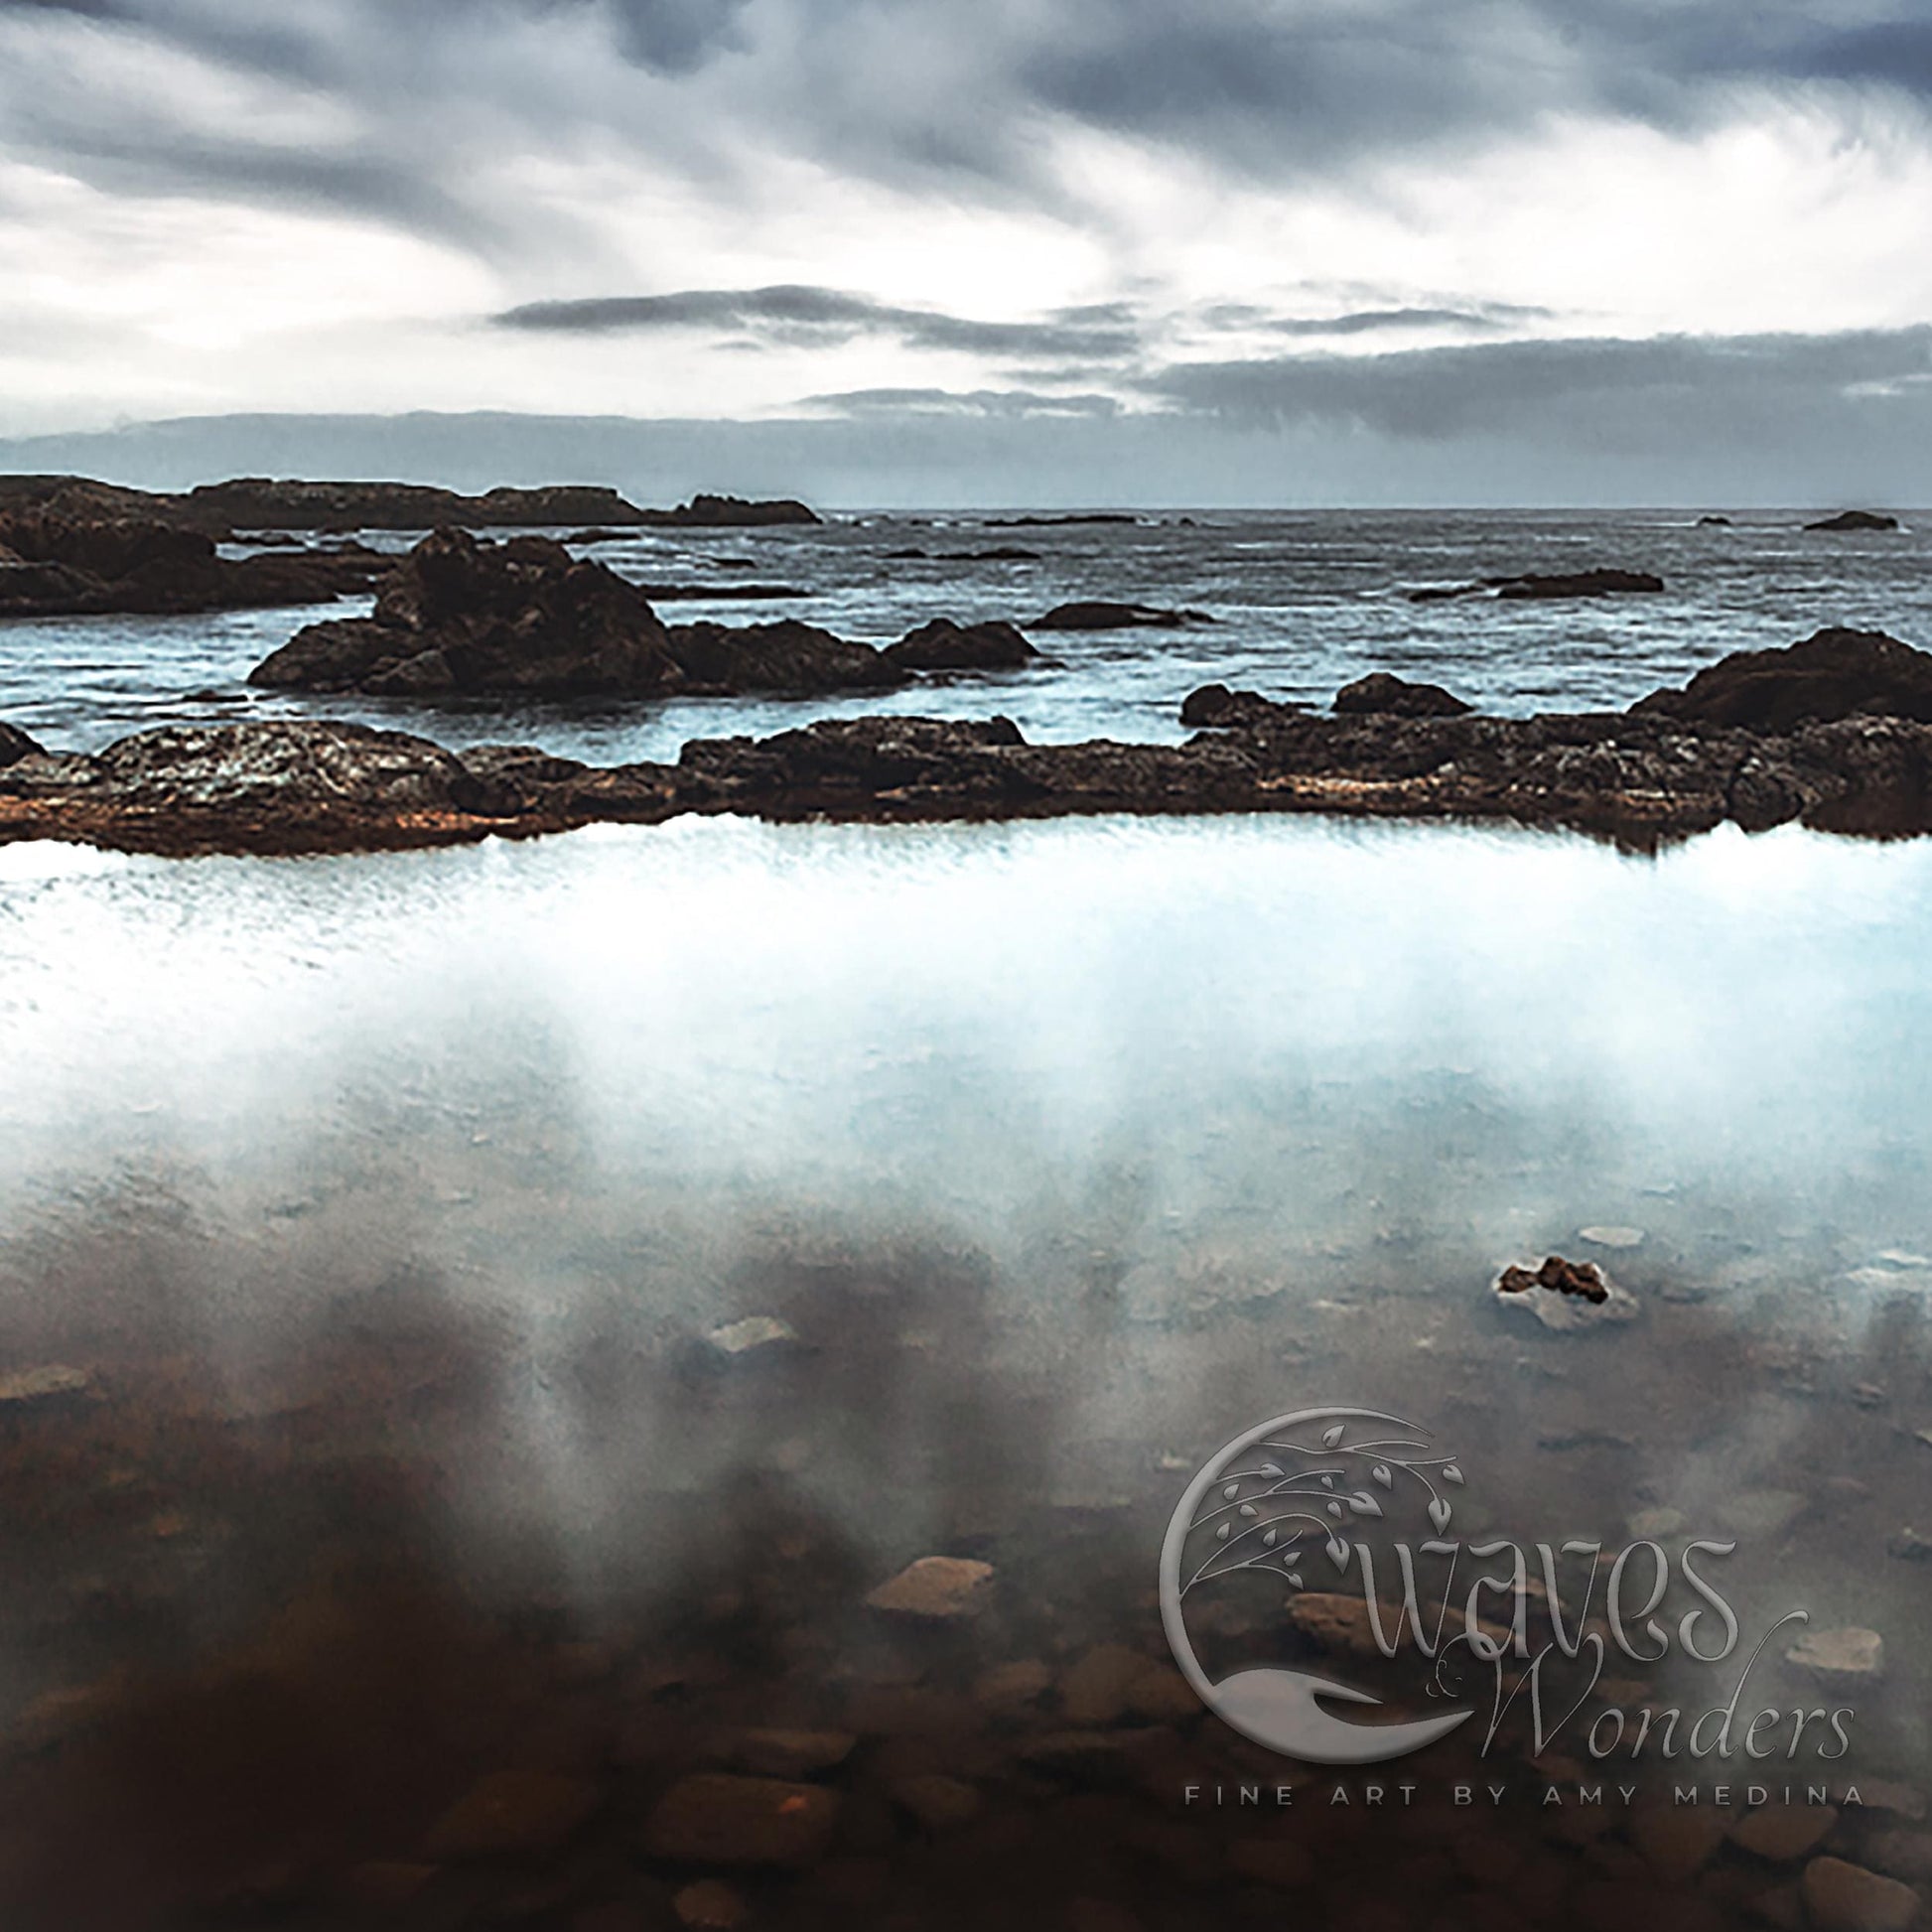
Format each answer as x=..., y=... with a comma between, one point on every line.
x=1303, y=603
x=363, y=1220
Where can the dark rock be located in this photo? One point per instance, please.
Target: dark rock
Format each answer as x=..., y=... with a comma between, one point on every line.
x=1216, y=708
x=1381, y=694
x=1059, y=522
x=1572, y=584
x=1095, y=615
x=464, y=617
x=705, y=512
x=57, y=565
x=1855, y=520
x=16, y=745
x=1714, y=522
x=1583, y=583
x=786, y=656
x=712, y=1819
x=1834, y=674
x=722, y=593
x=1005, y=553
x=1562, y=1277
x=943, y=645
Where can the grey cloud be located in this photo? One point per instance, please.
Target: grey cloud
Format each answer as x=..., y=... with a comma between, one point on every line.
x=971, y=402
x=795, y=313
x=1746, y=387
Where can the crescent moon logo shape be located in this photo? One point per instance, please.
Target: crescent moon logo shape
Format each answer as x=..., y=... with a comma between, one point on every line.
x=1274, y=1706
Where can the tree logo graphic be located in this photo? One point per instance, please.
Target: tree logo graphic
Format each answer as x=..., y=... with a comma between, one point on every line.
x=1279, y=1501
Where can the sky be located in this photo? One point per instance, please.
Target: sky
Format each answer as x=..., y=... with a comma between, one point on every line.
x=1011, y=251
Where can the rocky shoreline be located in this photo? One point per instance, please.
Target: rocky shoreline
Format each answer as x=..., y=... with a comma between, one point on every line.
x=1835, y=734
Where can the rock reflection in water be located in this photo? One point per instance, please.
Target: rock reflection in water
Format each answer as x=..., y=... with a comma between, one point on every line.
x=457, y=1405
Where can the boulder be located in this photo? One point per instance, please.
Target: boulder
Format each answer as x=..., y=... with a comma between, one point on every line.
x=1216, y=708
x=714, y=1819
x=1836, y=674
x=1843, y=1898
x=786, y=658
x=16, y=745
x=1382, y=694
x=937, y=1590
x=1097, y=615
x=1855, y=520
x=943, y=645
x=464, y=617
x=707, y=513
x=1547, y=585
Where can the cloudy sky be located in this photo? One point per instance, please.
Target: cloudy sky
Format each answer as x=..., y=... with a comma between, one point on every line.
x=1102, y=250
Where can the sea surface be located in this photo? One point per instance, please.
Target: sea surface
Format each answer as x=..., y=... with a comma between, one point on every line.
x=1303, y=603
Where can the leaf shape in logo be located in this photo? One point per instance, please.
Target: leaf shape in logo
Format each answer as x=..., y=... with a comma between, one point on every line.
x=1366, y=1504
x=1221, y=1535
x=1450, y=1474
x=1334, y=1510
x=1248, y=1509
x=1381, y=1474
x=1268, y=1539
x=1327, y=1482
x=1332, y=1436
x=1271, y=1468
x=1295, y=1579
x=1438, y=1514
x=1339, y=1552
x=1231, y=1491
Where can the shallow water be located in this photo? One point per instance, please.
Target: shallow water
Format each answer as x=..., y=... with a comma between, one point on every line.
x=385, y=1203
x=1304, y=603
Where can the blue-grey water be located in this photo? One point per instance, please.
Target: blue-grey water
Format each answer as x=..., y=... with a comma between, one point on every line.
x=1303, y=603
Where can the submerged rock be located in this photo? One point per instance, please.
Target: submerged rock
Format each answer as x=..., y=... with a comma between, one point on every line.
x=937, y=1590
x=1383, y=694
x=1835, y=673
x=1855, y=520
x=714, y=1819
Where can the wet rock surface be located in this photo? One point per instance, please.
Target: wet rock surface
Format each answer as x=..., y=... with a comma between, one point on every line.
x=943, y=645
x=1104, y=615
x=1382, y=695
x=1548, y=586
x=1642, y=777
x=1855, y=520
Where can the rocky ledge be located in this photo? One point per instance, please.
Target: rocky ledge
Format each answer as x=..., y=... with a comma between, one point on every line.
x=1855, y=756
x=464, y=618
x=59, y=567
x=254, y=504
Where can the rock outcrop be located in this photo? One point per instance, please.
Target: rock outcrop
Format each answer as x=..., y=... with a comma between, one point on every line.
x=943, y=645
x=54, y=565
x=1548, y=586
x=786, y=658
x=1831, y=756
x=1382, y=694
x=1216, y=708
x=1855, y=520
x=262, y=503
x=1098, y=614
x=464, y=617
x=1832, y=674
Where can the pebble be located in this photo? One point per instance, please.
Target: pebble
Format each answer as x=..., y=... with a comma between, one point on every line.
x=1611, y=1236
x=755, y=1335
x=1839, y=1653
x=711, y=1905
x=936, y=1587
x=1678, y=1842
x=1845, y=1898
x=1096, y=1690
x=1011, y=1686
x=712, y=1819
x=1783, y=1833
x=937, y=1802
x=511, y=1812
x=787, y=1754
x=30, y=1385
